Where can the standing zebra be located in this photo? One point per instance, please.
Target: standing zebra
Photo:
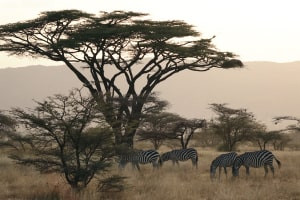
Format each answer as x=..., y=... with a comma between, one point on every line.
x=140, y=157
x=223, y=160
x=180, y=155
x=254, y=159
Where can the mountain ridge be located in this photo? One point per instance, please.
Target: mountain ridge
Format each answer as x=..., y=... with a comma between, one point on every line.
x=267, y=89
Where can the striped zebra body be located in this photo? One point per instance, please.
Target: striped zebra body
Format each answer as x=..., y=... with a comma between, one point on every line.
x=223, y=160
x=140, y=157
x=255, y=159
x=180, y=155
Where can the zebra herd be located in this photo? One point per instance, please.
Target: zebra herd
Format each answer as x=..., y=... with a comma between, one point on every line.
x=254, y=159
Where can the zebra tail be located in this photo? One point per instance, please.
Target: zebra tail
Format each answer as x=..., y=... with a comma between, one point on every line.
x=278, y=162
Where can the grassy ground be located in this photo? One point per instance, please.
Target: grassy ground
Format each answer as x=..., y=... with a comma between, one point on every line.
x=183, y=182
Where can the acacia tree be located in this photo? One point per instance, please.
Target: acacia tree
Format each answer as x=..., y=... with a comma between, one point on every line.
x=185, y=129
x=288, y=118
x=233, y=125
x=119, y=49
x=67, y=137
x=158, y=127
x=263, y=137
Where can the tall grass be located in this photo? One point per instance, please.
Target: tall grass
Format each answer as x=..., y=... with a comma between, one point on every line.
x=169, y=182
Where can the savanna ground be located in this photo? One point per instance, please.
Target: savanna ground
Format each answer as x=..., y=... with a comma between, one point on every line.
x=169, y=182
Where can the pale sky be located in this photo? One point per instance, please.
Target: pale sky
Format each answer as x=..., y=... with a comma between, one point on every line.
x=256, y=30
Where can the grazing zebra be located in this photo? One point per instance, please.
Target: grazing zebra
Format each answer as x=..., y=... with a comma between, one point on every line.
x=140, y=157
x=180, y=155
x=254, y=159
x=223, y=160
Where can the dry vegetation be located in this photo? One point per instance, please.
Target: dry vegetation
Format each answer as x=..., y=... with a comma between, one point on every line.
x=183, y=182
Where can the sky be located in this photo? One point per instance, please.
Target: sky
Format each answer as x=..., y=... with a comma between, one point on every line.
x=256, y=30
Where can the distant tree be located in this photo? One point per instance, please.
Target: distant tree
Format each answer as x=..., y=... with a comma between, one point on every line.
x=127, y=56
x=280, y=141
x=207, y=138
x=7, y=128
x=157, y=128
x=232, y=125
x=185, y=129
x=9, y=137
x=67, y=137
x=288, y=118
x=263, y=137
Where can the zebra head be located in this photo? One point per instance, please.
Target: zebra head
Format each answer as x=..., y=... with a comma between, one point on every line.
x=213, y=170
x=164, y=157
x=236, y=165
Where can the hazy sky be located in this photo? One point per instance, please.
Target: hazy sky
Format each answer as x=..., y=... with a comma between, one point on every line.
x=256, y=30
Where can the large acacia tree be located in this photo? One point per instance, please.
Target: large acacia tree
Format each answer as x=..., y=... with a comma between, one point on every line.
x=126, y=55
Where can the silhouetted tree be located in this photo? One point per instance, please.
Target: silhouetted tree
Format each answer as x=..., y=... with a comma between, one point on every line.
x=263, y=137
x=9, y=136
x=159, y=127
x=68, y=137
x=280, y=141
x=232, y=125
x=127, y=56
x=288, y=118
x=185, y=129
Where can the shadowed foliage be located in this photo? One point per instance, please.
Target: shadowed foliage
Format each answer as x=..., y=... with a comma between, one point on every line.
x=233, y=125
x=126, y=55
x=68, y=137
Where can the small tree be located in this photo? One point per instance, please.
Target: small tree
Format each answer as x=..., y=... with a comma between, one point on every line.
x=9, y=137
x=280, y=141
x=185, y=129
x=263, y=137
x=207, y=138
x=158, y=127
x=68, y=138
x=232, y=125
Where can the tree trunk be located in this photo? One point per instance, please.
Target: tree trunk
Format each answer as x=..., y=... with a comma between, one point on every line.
x=259, y=144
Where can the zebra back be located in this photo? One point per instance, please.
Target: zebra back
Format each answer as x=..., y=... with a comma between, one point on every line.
x=254, y=159
x=140, y=157
x=223, y=160
x=180, y=155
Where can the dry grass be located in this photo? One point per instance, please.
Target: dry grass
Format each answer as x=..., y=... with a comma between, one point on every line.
x=183, y=182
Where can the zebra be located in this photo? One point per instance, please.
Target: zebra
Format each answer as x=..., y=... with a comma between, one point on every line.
x=140, y=157
x=254, y=159
x=223, y=160
x=180, y=155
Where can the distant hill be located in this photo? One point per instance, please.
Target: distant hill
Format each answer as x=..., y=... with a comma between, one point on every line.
x=265, y=88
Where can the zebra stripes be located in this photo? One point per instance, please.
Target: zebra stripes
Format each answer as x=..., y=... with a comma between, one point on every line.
x=254, y=159
x=180, y=155
x=140, y=157
x=223, y=160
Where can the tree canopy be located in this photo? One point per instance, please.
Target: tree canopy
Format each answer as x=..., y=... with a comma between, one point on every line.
x=233, y=125
x=126, y=54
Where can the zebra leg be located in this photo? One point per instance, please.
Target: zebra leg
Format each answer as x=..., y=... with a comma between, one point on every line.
x=177, y=163
x=266, y=170
x=195, y=163
x=272, y=169
x=247, y=170
x=133, y=165
x=220, y=170
x=225, y=171
x=155, y=165
x=138, y=166
x=173, y=161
